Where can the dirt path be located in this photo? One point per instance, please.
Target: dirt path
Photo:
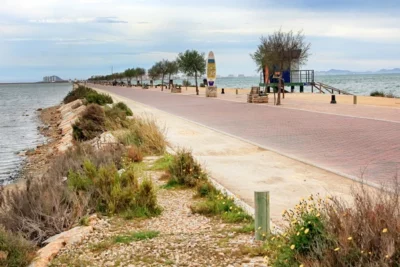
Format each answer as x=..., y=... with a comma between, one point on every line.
x=181, y=238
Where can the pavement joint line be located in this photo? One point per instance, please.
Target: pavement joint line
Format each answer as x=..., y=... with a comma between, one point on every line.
x=351, y=177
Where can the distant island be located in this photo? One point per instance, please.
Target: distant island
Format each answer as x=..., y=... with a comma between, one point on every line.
x=348, y=72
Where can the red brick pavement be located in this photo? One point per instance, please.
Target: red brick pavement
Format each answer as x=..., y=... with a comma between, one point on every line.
x=344, y=144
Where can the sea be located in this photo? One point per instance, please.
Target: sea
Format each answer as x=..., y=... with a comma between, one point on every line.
x=19, y=119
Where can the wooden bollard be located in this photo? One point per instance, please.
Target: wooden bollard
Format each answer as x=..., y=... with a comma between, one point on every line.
x=354, y=99
x=262, y=215
x=237, y=91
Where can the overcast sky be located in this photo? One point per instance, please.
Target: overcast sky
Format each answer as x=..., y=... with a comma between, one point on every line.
x=79, y=38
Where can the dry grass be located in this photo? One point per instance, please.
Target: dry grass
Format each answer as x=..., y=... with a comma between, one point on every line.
x=18, y=251
x=134, y=154
x=91, y=124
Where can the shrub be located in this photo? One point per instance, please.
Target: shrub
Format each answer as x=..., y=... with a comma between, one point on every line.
x=18, y=251
x=91, y=96
x=99, y=99
x=202, y=85
x=124, y=107
x=378, y=93
x=116, y=119
x=186, y=83
x=91, y=124
x=41, y=209
x=163, y=163
x=78, y=93
x=113, y=193
x=134, y=154
x=332, y=233
x=146, y=135
x=185, y=169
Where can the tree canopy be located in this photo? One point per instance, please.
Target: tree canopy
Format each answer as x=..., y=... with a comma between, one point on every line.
x=192, y=63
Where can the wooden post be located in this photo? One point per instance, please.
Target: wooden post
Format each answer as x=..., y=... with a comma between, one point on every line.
x=237, y=92
x=354, y=99
x=262, y=215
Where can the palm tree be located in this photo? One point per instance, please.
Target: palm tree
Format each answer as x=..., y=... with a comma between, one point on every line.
x=172, y=69
x=192, y=63
x=129, y=74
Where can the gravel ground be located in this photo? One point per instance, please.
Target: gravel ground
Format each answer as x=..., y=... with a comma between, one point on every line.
x=184, y=239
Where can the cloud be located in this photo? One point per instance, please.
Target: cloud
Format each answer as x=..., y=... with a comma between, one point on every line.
x=77, y=20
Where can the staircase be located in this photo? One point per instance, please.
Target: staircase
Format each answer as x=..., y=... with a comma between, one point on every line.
x=331, y=90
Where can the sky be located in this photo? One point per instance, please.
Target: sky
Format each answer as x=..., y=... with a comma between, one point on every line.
x=80, y=38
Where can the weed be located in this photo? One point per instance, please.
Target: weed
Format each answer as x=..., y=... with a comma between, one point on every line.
x=136, y=236
x=163, y=163
x=247, y=228
x=84, y=221
x=16, y=250
x=134, y=154
x=124, y=107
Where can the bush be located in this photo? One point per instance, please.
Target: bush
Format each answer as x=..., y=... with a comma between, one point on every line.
x=116, y=119
x=185, y=170
x=146, y=135
x=332, y=233
x=91, y=96
x=45, y=207
x=91, y=124
x=113, y=193
x=202, y=85
x=19, y=252
x=134, y=154
x=186, y=83
x=99, y=99
x=378, y=93
x=124, y=107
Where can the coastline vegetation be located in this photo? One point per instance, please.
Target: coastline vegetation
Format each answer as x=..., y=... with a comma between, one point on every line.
x=382, y=94
x=83, y=180
x=90, y=95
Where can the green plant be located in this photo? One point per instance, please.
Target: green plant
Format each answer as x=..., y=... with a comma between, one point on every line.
x=99, y=99
x=136, y=236
x=91, y=124
x=124, y=107
x=15, y=250
x=185, y=169
x=202, y=85
x=84, y=221
x=378, y=93
x=163, y=163
x=78, y=93
x=186, y=83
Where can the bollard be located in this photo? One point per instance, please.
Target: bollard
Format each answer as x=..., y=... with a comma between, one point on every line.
x=223, y=91
x=333, y=99
x=354, y=99
x=262, y=215
x=237, y=91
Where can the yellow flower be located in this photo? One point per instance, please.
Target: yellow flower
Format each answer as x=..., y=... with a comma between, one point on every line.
x=263, y=235
x=306, y=231
x=384, y=230
x=230, y=208
x=318, y=214
x=292, y=247
x=259, y=228
x=362, y=251
x=349, y=238
x=273, y=238
x=301, y=265
x=223, y=203
x=283, y=212
x=298, y=233
x=337, y=249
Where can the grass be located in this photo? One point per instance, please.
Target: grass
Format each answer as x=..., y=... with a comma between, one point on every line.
x=135, y=236
x=382, y=94
x=163, y=163
x=18, y=251
x=84, y=221
x=245, y=229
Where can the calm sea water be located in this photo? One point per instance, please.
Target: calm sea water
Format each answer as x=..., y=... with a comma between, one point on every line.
x=19, y=121
x=355, y=84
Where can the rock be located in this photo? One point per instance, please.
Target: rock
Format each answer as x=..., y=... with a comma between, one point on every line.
x=103, y=140
x=39, y=109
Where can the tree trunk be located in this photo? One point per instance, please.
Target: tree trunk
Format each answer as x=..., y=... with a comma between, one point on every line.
x=169, y=81
x=197, y=87
x=141, y=80
x=162, y=83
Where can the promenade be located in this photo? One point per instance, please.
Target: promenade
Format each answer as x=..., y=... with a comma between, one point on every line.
x=347, y=143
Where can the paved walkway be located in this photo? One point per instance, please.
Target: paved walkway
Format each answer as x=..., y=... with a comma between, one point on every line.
x=348, y=145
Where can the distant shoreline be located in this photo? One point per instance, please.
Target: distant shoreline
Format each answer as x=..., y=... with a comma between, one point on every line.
x=34, y=82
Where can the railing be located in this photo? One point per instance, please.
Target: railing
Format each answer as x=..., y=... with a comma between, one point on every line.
x=330, y=89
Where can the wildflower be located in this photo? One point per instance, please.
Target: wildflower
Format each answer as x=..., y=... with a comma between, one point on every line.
x=283, y=212
x=230, y=208
x=349, y=238
x=306, y=231
x=301, y=265
x=279, y=246
x=273, y=238
x=263, y=234
x=292, y=247
x=337, y=249
x=223, y=203
x=259, y=228
x=318, y=214
x=387, y=256
x=384, y=230
x=362, y=251
x=298, y=233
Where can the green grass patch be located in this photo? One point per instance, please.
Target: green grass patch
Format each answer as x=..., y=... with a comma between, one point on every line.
x=136, y=236
x=84, y=221
x=245, y=229
x=173, y=184
x=162, y=164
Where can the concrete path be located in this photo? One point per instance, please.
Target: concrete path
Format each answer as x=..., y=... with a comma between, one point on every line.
x=346, y=145
x=243, y=168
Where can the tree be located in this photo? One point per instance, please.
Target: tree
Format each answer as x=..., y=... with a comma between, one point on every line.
x=161, y=68
x=172, y=69
x=153, y=73
x=140, y=72
x=192, y=63
x=129, y=74
x=279, y=50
